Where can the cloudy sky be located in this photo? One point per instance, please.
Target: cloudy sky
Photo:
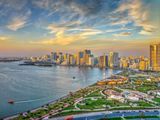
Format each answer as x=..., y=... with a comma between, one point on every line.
x=36, y=27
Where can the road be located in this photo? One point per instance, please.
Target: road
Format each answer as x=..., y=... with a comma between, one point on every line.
x=121, y=113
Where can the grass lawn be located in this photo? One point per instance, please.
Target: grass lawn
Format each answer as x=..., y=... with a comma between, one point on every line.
x=143, y=104
x=157, y=100
x=36, y=114
x=95, y=94
x=92, y=104
x=145, y=88
x=114, y=103
x=100, y=103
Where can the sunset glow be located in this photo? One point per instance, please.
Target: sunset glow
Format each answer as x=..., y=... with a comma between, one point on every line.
x=35, y=27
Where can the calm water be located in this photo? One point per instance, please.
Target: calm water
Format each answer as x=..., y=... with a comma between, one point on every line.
x=32, y=86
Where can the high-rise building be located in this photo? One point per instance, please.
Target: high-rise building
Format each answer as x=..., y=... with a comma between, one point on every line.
x=83, y=57
x=144, y=64
x=103, y=61
x=66, y=58
x=155, y=57
x=53, y=56
x=86, y=55
x=124, y=62
x=113, y=59
x=79, y=60
x=91, y=60
x=72, y=60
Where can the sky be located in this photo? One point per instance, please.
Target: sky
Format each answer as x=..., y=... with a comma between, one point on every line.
x=37, y=27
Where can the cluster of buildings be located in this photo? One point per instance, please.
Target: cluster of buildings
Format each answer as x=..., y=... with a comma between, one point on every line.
x=154, y=92
x=113, y=80
x=82, y=58
x=111, y=60
x=140, y=63
x=133, y=96
x=112, y=94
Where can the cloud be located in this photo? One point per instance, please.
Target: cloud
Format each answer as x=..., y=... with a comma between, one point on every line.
x=119, y=29
x=123, y=34
x=71, y=28
x=60, y=39
x=143, y=32
x=120, y=22
x=91, y=32
x=88, y=7
x=77, y=10
x=91, y=7
x=14, y=13
x=87, y=31
x=138, y=13
x=18, y=22
x=55, y=27
x=13, y=4
x=60, y=35
x=63, y=38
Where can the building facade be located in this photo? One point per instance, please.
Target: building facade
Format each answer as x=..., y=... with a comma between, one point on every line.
x=113, y=59
x=155, y=57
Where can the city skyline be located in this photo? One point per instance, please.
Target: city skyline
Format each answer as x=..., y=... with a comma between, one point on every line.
x=36, y=27
x=87, y=58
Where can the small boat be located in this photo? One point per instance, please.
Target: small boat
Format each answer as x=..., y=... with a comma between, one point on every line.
x=11, y=101
x=74, y=77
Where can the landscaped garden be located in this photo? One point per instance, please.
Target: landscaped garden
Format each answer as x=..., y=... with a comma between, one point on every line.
x=145, y=88
x=157, y=100
x=92, y=103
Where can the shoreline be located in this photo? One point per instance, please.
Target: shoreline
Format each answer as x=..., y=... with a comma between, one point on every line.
x=80, y=66
x=52, y=102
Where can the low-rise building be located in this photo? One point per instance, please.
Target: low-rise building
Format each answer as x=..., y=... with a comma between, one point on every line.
x=154, y=92
x=113, y=80
x=111, y=94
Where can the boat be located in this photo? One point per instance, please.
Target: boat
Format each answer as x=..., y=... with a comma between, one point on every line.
x=11, y=101
x=74, y=77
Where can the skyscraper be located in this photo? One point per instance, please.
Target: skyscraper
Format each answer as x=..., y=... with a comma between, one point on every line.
x=79, y=60
x=86, y=56
x=155, y=57
x=113, y=59
x=144, y=64
x=54, y=56
x=91, y=60
x=103, y=61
